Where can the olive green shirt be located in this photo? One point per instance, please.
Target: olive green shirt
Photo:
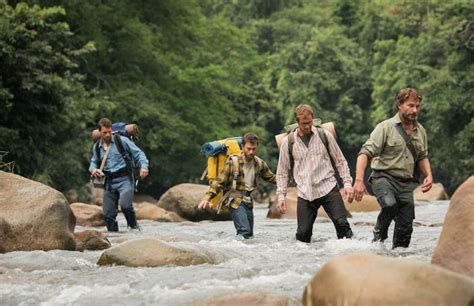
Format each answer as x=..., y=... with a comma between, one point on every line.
x=388, y=152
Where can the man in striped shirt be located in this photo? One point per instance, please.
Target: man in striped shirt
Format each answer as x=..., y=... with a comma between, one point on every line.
x=314, y=177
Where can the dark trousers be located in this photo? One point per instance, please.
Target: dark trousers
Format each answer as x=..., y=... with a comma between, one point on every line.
x=396, y=201
x=118, y=191
x=243, y=219
x=307, y=212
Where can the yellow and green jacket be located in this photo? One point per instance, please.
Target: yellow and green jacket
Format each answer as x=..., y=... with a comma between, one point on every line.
x=225, y=179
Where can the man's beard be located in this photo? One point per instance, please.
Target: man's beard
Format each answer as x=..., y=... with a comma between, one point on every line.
x=249, y=157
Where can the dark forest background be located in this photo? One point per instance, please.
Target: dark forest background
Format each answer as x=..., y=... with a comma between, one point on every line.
x=190, y=71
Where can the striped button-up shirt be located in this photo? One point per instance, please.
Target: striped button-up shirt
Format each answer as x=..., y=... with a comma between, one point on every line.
x=313, y=172
x=223, y=182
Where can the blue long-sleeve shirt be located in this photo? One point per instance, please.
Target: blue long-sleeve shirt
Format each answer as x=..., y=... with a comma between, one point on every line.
x=115, y=160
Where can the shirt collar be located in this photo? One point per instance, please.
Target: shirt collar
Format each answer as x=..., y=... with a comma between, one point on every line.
x=112, y=140
x=313, y=131
x=397, y=120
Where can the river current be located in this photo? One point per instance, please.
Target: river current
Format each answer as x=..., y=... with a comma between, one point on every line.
x=273, y=262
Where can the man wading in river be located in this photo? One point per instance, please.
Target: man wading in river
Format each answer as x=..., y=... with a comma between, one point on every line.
x=240, y=172
x=397, y=147
x=314, y=176
x=118, y=174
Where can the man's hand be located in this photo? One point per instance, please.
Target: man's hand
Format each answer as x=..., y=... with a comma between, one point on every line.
x=143, y=173
x=427, y=183
x=96, y=173
x=204, y=204
x=347, y=194
x=281, y=207
x=359, y=190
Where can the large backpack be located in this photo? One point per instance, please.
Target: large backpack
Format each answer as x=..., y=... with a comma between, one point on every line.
x=129, y=130
x=218, y=153
x=320, y=127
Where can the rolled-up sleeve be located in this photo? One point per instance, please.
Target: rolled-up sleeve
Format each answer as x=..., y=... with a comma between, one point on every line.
x=137, y=153
x=424, y=152
x=267, y=174
x=94, y=163
x=374, y=145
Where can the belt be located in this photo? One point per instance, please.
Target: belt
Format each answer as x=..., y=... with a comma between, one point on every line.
x=119, y=173
x=380, y=173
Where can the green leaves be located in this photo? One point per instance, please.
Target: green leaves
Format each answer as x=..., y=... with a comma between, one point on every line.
x=191, y=71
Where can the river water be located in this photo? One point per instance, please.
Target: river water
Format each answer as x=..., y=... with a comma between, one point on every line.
x=273, y=262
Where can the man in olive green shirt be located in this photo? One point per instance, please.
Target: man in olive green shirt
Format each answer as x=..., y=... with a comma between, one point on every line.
x=397, y=147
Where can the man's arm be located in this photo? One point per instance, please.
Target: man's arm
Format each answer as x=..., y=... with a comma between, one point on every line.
x=267, y=174
x=372, y=147
x=282, y=176
x=425, y=168
x=138, y=156
x=340, y=162
x=359, y=186
x=217, y=185
x=94, y=163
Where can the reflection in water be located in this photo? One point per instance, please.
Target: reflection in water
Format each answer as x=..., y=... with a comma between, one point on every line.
x=272, y=261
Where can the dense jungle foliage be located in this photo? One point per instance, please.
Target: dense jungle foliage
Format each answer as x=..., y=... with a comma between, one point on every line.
x=192, y=71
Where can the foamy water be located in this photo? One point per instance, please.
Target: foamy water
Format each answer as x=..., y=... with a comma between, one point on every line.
x=271, y=262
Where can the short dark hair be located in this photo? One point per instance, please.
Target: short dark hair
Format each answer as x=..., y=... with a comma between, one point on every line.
x=104, y=122
x=249, y=137
x=406, y=93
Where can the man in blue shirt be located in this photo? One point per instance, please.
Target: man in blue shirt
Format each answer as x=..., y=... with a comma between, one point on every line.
x=118, y=174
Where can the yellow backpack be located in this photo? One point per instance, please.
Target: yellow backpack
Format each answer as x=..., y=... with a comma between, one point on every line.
x=218, y=152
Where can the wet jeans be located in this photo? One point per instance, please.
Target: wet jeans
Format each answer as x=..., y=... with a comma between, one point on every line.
x=118, y=191
x=307, y=211
x=396, y=201
x=243, y=219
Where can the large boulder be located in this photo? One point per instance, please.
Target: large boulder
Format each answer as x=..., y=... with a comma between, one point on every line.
x=139, y=198
x=33, y=216
x=291, y=200
x=91, y=240
x=455, y=249
x=152, y=253
x=366, y=279
x=183, y=199
x=248, y=299
x=87, y=214
x=367, y=204
x=148, y=211
x=436, y=193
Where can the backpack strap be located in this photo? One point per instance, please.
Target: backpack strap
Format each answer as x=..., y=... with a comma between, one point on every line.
x=97, y=149
x=259, y=168
x=235, y=166
x=291, y=142
x=416, y=170
x=324, y=139
x=259, y=162
x=126, y=157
